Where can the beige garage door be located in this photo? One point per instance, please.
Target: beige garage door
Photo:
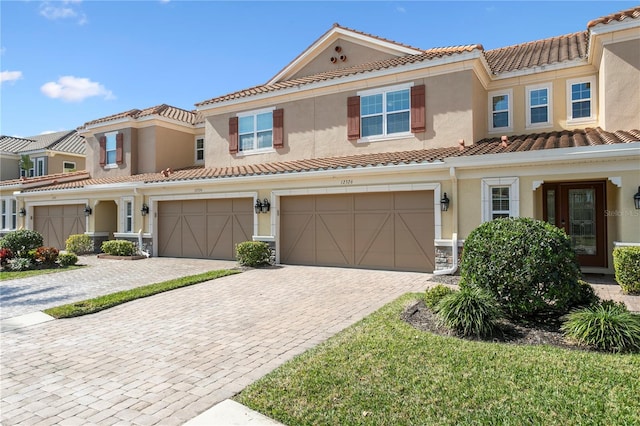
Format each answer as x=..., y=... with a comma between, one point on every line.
x=373, y=230
x=56, y=223
x=205, y=229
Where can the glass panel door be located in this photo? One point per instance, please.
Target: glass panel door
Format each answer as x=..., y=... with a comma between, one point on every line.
x=582, y=220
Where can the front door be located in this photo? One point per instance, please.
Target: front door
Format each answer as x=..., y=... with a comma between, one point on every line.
x=579, y=209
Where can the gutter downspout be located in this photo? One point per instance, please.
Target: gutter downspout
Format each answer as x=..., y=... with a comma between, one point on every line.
x=454, y=234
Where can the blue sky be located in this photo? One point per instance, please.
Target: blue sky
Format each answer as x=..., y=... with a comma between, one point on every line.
x=64, y=63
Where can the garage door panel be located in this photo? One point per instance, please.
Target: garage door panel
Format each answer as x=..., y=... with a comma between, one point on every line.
x=204, y=228
x=56, y=223
x=334, y=243
x=373, y=230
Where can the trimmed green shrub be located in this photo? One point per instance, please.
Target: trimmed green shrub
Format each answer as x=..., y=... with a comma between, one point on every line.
x=435, y=294
x=608, y=326
x=19, y=264
x=253, y=253
x=21, y=241
x=46, y=255
x=528, y=265
x=79, y=244
x=470, y=312
x=119, y=248
x=626, y=261
x=587, y=295
x=67, y=259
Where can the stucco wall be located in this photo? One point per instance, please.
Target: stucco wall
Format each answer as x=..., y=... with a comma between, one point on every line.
x=621, y=84
x=55, y=162
x=173, y=149
x=130, y=147
x=9, y=168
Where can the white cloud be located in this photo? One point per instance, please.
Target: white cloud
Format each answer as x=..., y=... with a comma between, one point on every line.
x=401, y=9
x=75, y=89
x=63, y=10
x=10, y=76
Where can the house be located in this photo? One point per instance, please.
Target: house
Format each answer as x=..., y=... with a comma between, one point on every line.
x=365, y=152
x=52, y=154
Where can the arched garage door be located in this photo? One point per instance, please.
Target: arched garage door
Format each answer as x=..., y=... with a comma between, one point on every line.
x=386, y=230
x=205, y=229
x=56, y=223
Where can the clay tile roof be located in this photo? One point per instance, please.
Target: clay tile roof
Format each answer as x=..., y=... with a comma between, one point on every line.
x=344, y=72
x=633, y=13
x=550, y=140
x=538, y=53
x=63, y=141
x=336, y=25
x=162, y=110
x=47, y=181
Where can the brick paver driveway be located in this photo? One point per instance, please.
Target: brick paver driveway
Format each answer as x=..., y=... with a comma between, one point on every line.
x=167, y=358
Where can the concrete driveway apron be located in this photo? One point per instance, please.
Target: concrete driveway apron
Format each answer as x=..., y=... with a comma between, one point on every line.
x=167, y=358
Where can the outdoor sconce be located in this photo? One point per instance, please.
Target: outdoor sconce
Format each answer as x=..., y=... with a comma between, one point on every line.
x=144, y=210
x=636, y=199
x=22, y=212
x=87, y=210
x=444, y=203
x=262, y=206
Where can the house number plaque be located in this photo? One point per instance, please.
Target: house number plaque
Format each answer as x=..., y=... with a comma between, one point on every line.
x=346, y=182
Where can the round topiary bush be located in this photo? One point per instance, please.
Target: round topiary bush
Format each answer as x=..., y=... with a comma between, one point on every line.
x=253, y=253
x=79, y=244
x=119, y=248
x=528, y=265
x=21, y=241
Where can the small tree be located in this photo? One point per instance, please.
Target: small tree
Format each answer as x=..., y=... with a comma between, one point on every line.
x=26, y=164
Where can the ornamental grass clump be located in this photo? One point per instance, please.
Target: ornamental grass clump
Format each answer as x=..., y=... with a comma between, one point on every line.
x=470, y=312
x=528, y=265
x=608, y=326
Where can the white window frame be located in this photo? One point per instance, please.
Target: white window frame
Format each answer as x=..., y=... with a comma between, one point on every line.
x=592, y=116
x=68, y=169
x=549, y=105
x=255, y=150
x=514, y=196
x=108, y=136
x=8, y=214
x=383, y=91
x=39, y=163
x=196, y=149
x=123, y=222
x=509, y=94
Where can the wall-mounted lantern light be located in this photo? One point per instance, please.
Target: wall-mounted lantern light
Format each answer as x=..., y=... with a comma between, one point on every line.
x=262, y=206
x=144, y=210
x=22, y=212
x=444, y=203
x=636, y=199
x=87, y=210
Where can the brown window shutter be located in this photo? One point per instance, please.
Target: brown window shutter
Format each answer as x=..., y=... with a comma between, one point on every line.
x=119, y=148
x=353, y=118
x=418, y=119
x=233, y=135
x=103, y=150
x=278, y=128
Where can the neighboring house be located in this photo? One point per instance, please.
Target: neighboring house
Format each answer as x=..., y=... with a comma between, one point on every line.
x=364, y=152
x=51, y=155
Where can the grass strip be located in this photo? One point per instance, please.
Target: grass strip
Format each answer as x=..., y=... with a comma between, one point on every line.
x=101, y=303
x=14, y=275
x=382, y=371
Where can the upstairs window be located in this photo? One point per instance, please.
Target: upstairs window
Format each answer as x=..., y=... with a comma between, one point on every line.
x=539, y=106
x=199, y=149
x=68, y=166
x=389, y=112
x=500, y=107
x=256, y=131
x=40, y=165
x=580, y=100
x=111, y=149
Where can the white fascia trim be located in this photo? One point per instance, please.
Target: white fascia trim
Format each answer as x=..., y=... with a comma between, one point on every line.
x=166, y=120
x=614, y=26
x=547, y=155
x=82, y=201
x=541, y=69
x=428, y=63
x=309, y=174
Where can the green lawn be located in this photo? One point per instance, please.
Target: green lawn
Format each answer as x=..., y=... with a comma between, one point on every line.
x=382, y=371
x=14, y=275
x=110, y=300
